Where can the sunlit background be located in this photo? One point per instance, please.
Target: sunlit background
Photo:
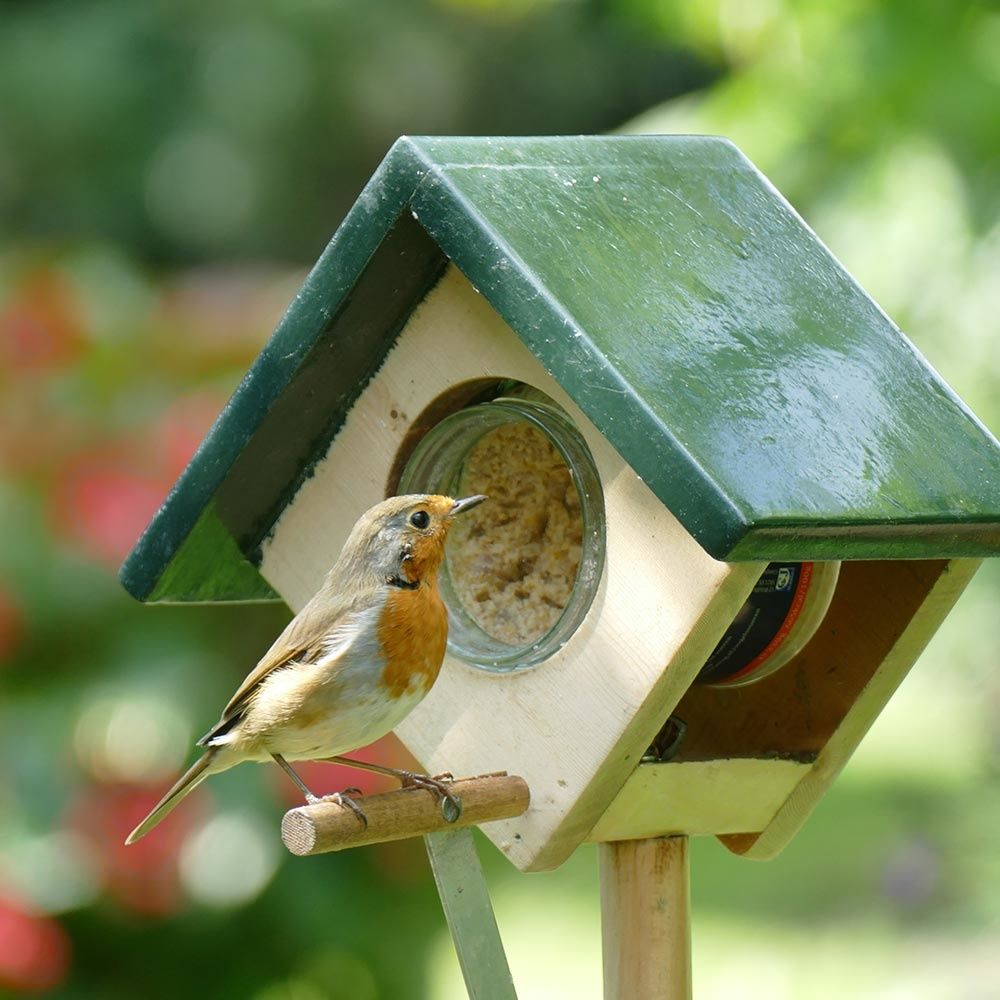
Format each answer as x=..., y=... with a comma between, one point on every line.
x=167, y=174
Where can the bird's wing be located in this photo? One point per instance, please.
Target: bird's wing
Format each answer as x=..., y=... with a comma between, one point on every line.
x=314, y=632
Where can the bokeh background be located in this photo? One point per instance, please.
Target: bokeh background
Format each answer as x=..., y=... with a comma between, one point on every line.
x=168, y=171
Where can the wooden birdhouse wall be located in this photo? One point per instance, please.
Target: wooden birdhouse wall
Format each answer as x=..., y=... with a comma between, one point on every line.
x=754, y=759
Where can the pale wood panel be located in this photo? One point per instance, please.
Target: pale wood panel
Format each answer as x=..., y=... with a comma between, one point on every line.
x=699, y=798
x=576, y=725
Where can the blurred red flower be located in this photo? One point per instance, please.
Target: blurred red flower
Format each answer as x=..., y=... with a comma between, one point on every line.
x=34, y=949
x=41, y=327
x=104, y=497
x=144, y=876
x=103, y=502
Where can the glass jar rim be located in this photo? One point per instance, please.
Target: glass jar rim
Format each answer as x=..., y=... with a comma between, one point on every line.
x=435, y=466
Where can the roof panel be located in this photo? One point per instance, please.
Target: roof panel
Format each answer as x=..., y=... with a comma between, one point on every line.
x=668, y=269
x=677, y=297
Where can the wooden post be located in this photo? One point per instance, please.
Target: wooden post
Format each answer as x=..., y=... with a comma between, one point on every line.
x=645, y=919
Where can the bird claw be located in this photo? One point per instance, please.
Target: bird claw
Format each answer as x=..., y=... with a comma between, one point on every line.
x=451, y=808
x=344, y=799
x=451, y=805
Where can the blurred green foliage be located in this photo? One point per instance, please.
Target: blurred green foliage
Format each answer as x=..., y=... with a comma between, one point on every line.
x=167, y=172
x=189, y=131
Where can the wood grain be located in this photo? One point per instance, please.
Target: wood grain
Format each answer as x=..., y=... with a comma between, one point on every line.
x=645, y=919
x=405, y=812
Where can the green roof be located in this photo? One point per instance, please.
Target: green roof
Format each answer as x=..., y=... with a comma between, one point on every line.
x=681, y=302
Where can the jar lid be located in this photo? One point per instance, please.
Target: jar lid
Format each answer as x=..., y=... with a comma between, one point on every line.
x=780, y=616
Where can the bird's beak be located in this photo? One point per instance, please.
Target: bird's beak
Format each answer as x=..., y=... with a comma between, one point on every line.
x=467, y=503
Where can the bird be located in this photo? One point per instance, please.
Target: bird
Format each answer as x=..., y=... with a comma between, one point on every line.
x=351, y=665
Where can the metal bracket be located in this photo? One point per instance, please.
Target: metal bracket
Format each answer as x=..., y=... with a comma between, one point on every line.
x=467, y=908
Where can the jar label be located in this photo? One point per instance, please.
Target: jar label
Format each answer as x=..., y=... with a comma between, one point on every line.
x=762, y=625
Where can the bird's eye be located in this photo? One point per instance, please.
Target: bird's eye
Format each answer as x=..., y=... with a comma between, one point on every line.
x=420, y=519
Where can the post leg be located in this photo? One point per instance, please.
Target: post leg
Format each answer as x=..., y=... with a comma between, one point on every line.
x=645, y=919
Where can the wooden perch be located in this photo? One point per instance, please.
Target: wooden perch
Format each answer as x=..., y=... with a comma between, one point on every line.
x=405, y=812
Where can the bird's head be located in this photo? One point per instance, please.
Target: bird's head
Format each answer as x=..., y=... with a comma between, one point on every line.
x=402, y=539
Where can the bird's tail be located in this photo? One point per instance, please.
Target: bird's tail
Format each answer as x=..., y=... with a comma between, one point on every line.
x=187, y=782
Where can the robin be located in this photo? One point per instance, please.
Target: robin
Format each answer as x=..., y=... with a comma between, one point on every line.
x=351, y=665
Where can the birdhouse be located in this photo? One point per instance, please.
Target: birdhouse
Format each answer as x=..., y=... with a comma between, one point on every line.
x=730, y=502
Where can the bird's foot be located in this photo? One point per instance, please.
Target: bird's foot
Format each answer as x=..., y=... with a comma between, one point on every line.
x=341, y=798
x=451, y=804
x=346, y=799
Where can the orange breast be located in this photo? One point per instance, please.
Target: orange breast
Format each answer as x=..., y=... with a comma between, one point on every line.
x=413, y=633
